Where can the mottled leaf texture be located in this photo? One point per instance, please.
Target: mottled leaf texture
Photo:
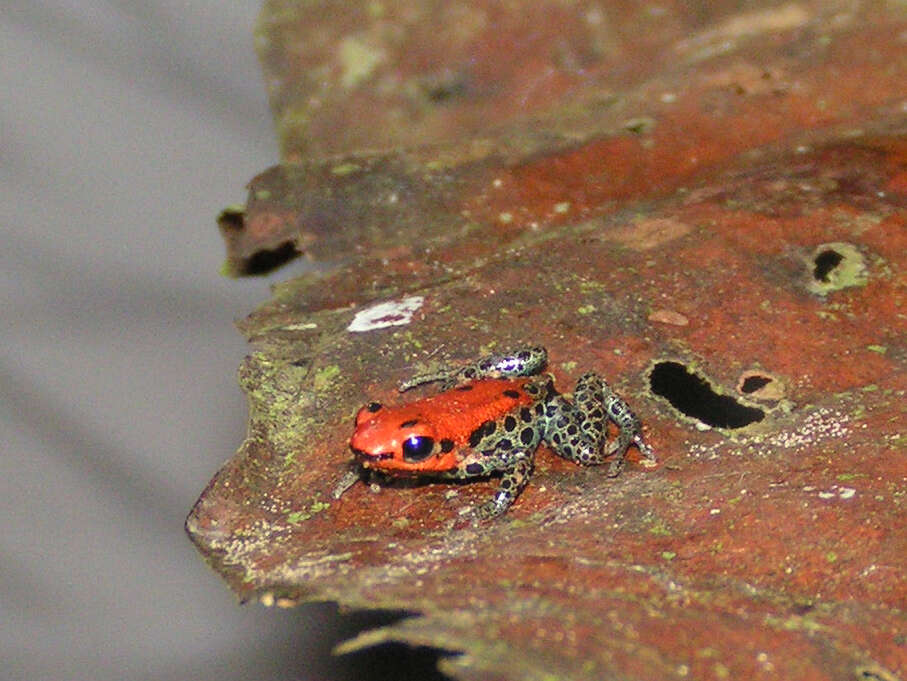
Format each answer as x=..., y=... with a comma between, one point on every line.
x=705, y=203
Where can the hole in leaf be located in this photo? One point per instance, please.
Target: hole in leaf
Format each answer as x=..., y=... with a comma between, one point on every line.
x=692, y=395
x=265, y=261
x=825, y=262
x=752, y=383
x=835, y=266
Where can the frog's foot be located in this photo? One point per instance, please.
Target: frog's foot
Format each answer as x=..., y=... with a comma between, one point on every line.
x=512, y=483
x=350, y=478
x=620, y=446
x=644, y=449
x=523, y=362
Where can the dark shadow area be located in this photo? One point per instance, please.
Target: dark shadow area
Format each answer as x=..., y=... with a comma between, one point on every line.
x=385, y=662
x=692, y=395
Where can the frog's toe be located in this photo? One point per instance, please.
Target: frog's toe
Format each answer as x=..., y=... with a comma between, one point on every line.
x=644, y=449
x=491, y=509
x=616, y=467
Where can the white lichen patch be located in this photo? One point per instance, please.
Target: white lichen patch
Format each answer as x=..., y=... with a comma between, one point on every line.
x=316, y=565
x=358, y=61
x=821, y=424
x=302, y=326
x=706, y=451
x=382, y=315
x=834, y=492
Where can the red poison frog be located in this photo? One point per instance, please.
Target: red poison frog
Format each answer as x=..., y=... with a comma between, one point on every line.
x=490, y=417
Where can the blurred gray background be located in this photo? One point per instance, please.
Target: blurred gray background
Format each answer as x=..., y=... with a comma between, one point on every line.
x=124, y=128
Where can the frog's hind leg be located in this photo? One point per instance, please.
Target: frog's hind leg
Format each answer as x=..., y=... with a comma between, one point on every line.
x=578, y=431
x=523, y=362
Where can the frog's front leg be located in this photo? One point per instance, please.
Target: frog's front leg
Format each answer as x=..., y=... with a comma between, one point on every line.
x=578, y=431
x=523, y=362
x=517, y=467
x=512, y=483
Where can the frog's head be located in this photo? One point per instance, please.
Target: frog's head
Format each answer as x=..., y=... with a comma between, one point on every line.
x=398, y=442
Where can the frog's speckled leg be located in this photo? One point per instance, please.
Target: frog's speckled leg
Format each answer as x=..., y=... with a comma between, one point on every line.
x=577, y=431
x=512, y=483
x=629, y=428
x=522, y=362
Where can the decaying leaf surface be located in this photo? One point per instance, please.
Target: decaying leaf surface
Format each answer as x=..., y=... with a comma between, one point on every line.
x=744, y=237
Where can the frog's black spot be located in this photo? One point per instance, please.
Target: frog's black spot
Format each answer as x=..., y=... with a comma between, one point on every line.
x=526, y=415
x=532, y=389
x=446, y=445
x=509, y=423
x=409, y=424
x=524, y=355
x=527, y=435
x=556, y=437
x=504, y=445
x=539, y=409
x=475, y=469
x=513, y=394
x=505, y=484
x=572, y=429
x=475, y=437
x=596, y=414
x=464, y=387
x=373, y=406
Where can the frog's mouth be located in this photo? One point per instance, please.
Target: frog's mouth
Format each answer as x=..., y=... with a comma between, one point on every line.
x=366, y=457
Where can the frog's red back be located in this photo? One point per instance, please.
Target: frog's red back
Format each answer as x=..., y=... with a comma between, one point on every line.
x=448, y=417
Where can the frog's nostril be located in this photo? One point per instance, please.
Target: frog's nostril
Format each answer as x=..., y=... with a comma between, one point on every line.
x=693, y=396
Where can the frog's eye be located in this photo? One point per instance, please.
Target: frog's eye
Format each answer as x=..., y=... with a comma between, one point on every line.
x=417, y=448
